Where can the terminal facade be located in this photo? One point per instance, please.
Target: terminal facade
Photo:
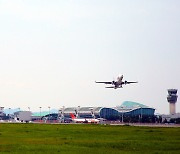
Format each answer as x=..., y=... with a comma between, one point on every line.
x=126, y=111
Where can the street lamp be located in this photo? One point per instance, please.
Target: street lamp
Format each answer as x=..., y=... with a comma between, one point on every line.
x=1, y=110
x=40, y=111
x=9, y=113
x=141, y=114
x=122, y=114
x=122, y=117
x=49, y=111
x=62, y=114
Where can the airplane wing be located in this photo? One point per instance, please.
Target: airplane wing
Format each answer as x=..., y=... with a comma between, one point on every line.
x=113, y=87
x=127, y=82
x=110, y=87
x=104, y=82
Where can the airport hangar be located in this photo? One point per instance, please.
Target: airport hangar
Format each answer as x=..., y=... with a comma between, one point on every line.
x=128, y=108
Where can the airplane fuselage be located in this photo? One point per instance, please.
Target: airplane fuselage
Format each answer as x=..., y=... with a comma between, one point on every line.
x=83, y=120
x=118, y=83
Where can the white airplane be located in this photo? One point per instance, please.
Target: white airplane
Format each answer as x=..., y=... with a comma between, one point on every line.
x=83, y=120
x=118, y=83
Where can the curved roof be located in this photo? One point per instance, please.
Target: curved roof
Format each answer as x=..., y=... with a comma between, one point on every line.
x=97, y=109
x=70, y=109
x=86, y=108
x=82, y=109
x=129, y=106
x=132, y=105
x=44, y=113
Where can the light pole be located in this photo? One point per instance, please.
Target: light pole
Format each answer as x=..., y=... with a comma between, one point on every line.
x=40, y=112
x=92, y=113
x=1, y=110
x=9, y=113
x=141, y=114
x=62, y=114
x=49, y=111
x=122, y=115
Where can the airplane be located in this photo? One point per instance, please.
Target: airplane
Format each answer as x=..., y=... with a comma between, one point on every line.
x=118, y=83
x=83, y=120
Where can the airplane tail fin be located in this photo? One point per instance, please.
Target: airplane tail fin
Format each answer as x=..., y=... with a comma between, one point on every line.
x=72, y=116
x=119, y=78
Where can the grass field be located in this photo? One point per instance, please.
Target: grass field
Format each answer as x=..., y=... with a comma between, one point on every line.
x=48, y=138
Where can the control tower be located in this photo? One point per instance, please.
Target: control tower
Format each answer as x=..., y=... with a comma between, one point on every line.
x=172, y=99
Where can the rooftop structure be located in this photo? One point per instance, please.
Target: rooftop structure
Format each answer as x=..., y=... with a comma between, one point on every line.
x=133, y=108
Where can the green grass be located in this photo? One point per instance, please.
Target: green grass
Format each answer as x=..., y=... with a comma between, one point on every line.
x=47, y=138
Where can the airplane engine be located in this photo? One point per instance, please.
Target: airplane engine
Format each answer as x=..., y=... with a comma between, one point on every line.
x=113, y=82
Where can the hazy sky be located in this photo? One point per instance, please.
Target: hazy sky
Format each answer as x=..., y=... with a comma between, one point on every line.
x=51, y=52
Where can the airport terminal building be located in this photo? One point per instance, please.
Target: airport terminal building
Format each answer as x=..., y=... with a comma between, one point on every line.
x=133, y=109
x=90, y=112
x=128, y=111
x=127, y=108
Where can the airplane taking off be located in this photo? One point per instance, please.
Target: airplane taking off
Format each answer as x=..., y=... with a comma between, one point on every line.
x=118, y=83
x=81, y=120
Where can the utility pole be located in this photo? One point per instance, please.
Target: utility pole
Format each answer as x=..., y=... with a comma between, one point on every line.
x=122, y=115
x=49, y=112
x=40, y=112
x=9, y=113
